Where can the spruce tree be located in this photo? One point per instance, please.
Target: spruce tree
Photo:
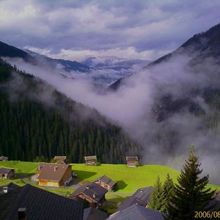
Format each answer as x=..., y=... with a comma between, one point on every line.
x=191, y=193
x=168, y=190
x=156, y=200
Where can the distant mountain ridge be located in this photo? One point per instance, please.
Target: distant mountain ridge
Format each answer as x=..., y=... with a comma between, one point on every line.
x=102, y=71
x=10, y=51
x=34, y=58
x=200, y=46
x=203, y=44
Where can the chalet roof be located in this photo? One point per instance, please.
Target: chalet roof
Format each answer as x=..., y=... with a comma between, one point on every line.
x=136, y=212
x=41, y=204
x=52, y=172
x=92, y=190
x=60, y=157
x=94, y=214
x=106, y=180
x=140, y=197
x=128, y=158
x=4, y=170
x=94, y=157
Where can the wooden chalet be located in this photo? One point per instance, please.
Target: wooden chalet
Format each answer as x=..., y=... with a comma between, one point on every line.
x=106, y=183
x=91, y=193
x=91, y=160
x=60, y=159
x=52, y=174
x=6, y=173
x=132, y=161
x=3, y=158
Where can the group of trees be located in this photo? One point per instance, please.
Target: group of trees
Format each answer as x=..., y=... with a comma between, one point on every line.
x=34, y=129
x=191, y=194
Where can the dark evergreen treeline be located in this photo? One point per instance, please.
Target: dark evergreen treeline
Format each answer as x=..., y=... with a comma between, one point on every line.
x=31, y=129
x=190, y=198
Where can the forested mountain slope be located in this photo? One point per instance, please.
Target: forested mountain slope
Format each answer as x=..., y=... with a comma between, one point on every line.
x=37, y=123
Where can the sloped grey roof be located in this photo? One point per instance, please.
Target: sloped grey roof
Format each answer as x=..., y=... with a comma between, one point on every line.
x=94, y=157
x=136, y=212
x=5, y=170
x=92, y=190
x=52, y=171
x=44, y=205
x=131, y=158
x=106, y=180
x=94, y=214
x=7, y=199
x=140, y=197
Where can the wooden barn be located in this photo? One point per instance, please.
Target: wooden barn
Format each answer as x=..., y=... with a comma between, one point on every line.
x=132, y=161
x=3, y=158
x=91, y=160
x=60, y=159
x=106, y=183
x=6, y=173
x=54, y=174
x=91, y=193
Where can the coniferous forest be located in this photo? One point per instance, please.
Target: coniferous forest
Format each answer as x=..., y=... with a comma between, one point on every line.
x=35, y=129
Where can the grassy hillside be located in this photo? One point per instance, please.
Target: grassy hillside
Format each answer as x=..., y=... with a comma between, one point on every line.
x=129, y=179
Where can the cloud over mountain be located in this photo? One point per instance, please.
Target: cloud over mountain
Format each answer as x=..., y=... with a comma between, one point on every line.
x=145, y=28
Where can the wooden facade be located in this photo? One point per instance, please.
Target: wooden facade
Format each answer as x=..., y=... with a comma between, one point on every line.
x=132, y=161
x=91, y=160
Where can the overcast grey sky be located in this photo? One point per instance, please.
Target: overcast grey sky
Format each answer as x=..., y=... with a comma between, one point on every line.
x=71, y=29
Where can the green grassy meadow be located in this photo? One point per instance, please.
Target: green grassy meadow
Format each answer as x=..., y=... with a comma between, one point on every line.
x=128, y=179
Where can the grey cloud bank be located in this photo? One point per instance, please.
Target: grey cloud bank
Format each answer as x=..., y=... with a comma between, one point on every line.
x=74, y=29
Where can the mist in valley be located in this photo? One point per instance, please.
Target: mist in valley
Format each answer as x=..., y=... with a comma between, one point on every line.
x=165, y=136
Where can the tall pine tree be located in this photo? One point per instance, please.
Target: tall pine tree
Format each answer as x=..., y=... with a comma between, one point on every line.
x=168, y=190
x=191, y=193
x=156, y=200
x=161, y=195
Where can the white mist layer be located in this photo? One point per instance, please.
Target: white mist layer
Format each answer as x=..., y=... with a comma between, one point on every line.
x=131, y=108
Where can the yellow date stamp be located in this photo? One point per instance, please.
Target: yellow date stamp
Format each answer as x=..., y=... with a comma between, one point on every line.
x=207, y=215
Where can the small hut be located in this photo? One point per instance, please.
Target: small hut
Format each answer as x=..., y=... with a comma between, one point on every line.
x=91, y=160
x=132, y=161
x=3, y=158
x=7, y=173
x=106, y=183
x=60, y=159
x=91, y=193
